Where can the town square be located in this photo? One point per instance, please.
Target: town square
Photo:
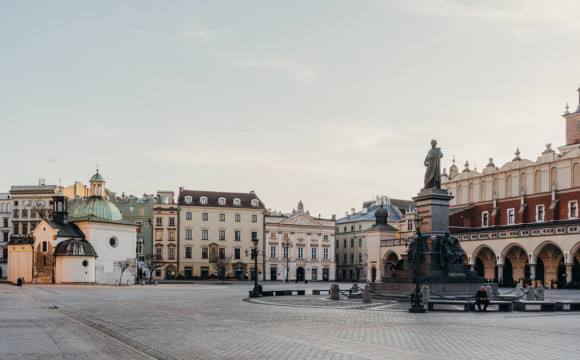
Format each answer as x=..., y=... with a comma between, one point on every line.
x=309, y=180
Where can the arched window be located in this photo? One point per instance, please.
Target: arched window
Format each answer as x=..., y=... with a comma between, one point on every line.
x=188, y=199
x=44, y=246
x=576, y=175
x=523, y=182
x=483, y=191
x=470, y=194
x=508, y=186
x=222, y=201
x=553, y=177
x=459, y=194
x=538, y=181
x=255, y=203
x=203, y=200
x=496, y=187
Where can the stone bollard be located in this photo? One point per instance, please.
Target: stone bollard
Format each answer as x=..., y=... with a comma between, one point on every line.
x=531, y=295
x=334, y=292
x=425, y=294
x=366, y=294
x=354, y=289
x=489, y=292
x=519, y=290
x=156, y=282
x=540, y=293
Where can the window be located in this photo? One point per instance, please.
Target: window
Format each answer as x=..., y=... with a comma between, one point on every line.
x=344, y=243
x=325, y=253
x=113, y=242
x=158, y=253
x=359, y=227
x=254, y=218
x=360, y=258
x=171, y=235
x=255, y=203
x=351, y=242
x=139, y=249
x=352, y=258
x=188, y=271
x=159, y=221
x=158, y=235
x=344, y=229
x=359, y=242
x=285, y=249
x=222, y=201
x=204, y=216
x=24, y=228
x=188, y=234
x=409, y=225
x=325, y=237
x=344, y=259
x=204, y=235
x=222, y=235
x=85, y=263
x=222, y=253
x=572, y=210
x=272, y=251
x=510, y=217
x=236, y=202
x=238, y=217
x=171, y=253
x=204, y=253
x=300, y=252
x=313, y=253
x=188, y=252
x=188, y=216
x=203, y=200
x=44, y=246
x=485, y=219
x=158, y=273
x=222, y=217
x=352, y=228
x=540, y=213
x=237, y=254
x=171, y=221
x=237, y=235
x=188, y=200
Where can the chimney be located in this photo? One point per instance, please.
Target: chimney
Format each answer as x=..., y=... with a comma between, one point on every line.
x=352, y=210
x=333, y=217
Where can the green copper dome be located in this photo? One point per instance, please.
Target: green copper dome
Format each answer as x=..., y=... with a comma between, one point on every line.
x=98, y=207
x=97, y=177
x=59, y=193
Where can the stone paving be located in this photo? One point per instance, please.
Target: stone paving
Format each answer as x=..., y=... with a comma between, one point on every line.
x=207, y=321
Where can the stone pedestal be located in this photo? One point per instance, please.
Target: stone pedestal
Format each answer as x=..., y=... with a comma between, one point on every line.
x=433, y=206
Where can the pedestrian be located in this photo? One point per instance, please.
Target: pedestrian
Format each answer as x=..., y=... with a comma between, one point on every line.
x=481, y=298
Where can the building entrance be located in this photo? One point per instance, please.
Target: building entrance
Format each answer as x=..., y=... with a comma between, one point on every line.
x=273, y=272
x=300, y=274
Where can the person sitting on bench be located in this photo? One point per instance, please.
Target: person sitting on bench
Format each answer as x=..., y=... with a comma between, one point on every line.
x=481, y=298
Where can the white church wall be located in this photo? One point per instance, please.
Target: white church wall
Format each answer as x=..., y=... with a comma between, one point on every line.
x=72, y=269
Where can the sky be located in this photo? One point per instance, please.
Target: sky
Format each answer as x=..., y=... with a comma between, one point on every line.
x=329, y=102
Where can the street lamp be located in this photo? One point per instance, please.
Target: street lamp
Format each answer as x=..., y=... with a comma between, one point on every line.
x=416, y=304
x=287, y=244
x=257, y=291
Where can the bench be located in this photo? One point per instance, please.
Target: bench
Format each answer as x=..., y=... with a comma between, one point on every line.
x=522, y=305
x=431, y=304
x=573, y=305
x=317, y=292
x=501, y=305
x=286, y=292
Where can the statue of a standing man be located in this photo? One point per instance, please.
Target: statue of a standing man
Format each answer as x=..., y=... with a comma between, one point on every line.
x=433, y=164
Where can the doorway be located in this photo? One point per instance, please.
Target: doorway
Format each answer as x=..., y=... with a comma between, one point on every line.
x=325, y=274
x=300, y=274
x=273, y=272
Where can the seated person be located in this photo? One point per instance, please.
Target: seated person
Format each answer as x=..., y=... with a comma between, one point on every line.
x=481, y=298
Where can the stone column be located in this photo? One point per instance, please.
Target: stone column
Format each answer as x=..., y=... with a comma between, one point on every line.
x=500, y=273
x=568, y=273
x=532, y=271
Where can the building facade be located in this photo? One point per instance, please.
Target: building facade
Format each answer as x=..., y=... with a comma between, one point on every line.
x=519, y=222
x=352, y=252
x=165, y=225
x=30, y=204
x=5, y=229
x=219, y=225
x=299, y=247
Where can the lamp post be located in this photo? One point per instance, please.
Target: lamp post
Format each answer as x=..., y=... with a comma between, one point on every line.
x=257, y=291
x=287, y=245
x=416, y=304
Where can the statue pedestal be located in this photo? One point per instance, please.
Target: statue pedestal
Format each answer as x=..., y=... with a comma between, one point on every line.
x=433, y=206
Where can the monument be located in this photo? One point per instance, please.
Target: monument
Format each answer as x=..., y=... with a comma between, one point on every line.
x=441, y=263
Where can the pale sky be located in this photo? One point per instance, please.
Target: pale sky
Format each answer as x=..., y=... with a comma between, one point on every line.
x=328, y=102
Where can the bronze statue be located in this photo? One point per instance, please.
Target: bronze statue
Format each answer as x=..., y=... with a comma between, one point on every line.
x=451, y=251
x=433, y=165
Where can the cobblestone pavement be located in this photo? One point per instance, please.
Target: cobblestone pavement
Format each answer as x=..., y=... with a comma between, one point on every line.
x=207, y=321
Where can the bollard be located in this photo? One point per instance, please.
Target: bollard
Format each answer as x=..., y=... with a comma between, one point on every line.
x=425, y=294
x=531, y=295
x=489, y=292
x=334, y=292
x=366, y=294
x=519, y=290
x=19, y=282
x=540, y=292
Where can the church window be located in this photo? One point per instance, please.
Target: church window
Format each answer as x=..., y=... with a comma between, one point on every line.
x=113, y=242
x=44, y=246
x=85, y=263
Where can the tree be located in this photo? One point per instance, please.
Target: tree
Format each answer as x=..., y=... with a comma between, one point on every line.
x=127, y=264
x=151, y=263
x=221, y=266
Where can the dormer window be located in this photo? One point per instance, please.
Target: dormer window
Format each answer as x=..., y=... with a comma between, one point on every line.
x=236, y=202
x=255, y=203
x=222, y=201
x=188, y=200
x=203, y=200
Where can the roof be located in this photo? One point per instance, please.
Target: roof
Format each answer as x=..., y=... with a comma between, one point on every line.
x=21, y=240
x=101, y=220
x=213, y=196
x=97, y=178
x=74, y=247
x=370, y=215
x=386, y=227
x=66, y=229
x=96, y=206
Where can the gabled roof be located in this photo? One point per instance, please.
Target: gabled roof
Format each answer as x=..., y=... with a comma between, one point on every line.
x=213, y=196
x=66, y=229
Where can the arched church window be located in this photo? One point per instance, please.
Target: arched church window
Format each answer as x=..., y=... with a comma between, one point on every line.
x=44, y=246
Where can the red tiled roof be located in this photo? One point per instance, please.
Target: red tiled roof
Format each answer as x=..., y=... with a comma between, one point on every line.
x=213, y=196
